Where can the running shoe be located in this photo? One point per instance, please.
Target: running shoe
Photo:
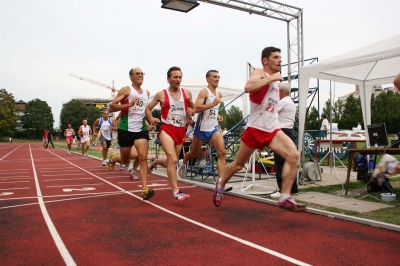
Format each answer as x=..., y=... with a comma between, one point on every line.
x=291, y=205
x=87, y=154
x=275, y=195
x=111, y=164
x=133, y=176
x=381, y=169
x=147, y=193
x=151, y=165
x=129, y=169
x=217, y=197
x=181, y=169
x=83, y=157
x=180, y=196
x=104, y=163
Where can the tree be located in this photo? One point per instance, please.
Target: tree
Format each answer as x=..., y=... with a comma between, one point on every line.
x=73, y=112
x=8, y=113
x=93, y=113
x=384, y=109
x=233, y=116
x=37, y=116
x=311, y=119
x=352, y=113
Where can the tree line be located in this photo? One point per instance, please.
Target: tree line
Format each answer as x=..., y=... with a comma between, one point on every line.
x=38, y=116
x=384, y=109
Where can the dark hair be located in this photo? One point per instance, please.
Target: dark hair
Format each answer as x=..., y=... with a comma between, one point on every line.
x=268, y=51
x=173, y=69
x=130, y=72
x=323, y=115
x=209, y=72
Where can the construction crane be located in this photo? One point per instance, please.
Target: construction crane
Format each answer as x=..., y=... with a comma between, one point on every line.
x=112, y=88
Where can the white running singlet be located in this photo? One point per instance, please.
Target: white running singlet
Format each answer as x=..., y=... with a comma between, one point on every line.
x=263, y=108
x=208, y=120
x=174, y=112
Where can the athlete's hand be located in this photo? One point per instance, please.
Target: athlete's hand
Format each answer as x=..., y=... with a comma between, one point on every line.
x=190, y=111
x=217, y=100
x=134, y=100
x=155, y=121
x=276, y=77
x=220, y=118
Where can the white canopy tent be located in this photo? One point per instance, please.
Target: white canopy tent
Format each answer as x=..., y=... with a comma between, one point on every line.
x=375, y=64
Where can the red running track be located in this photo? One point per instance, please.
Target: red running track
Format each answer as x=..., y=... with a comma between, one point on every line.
x=59, y=209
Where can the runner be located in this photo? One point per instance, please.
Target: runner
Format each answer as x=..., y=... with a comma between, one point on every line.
x=84, y=133
x=105, y=133
x=207, y=126
x=69, y=134
x=45, y=139
x=176, y=104
x=262, y=129
x=132, y=101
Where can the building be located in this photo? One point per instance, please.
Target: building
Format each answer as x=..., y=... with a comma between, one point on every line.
x=21, y=109
x=376, y=90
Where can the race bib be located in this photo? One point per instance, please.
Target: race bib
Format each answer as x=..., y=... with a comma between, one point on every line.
x=176, y=120
x=69, y=133
x=211, y=114
x=139, y=107
x=105, y=132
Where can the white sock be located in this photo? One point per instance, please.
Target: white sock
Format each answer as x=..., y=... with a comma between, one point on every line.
x=284, y=197
x=176, y=193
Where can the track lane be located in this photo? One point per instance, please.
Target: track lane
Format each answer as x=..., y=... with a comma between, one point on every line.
x=129, y=222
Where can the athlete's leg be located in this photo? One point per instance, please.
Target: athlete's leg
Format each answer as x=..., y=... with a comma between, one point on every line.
x=242, y=156
x=142, y=150
x=104, y=151
x=285, y=147
x=171, y=151
x=219, y=144
x=196, y=146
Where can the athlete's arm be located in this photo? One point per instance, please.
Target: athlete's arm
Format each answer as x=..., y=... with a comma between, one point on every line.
x=65, y=133
x=200, y=106
x=158, y=98
x=122, y=94
x=94, y=126
x=258, y=80
x=396, y=81
x=190, y=103
x=80, y=133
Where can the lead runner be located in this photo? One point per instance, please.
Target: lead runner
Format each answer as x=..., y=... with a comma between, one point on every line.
x=262, y=129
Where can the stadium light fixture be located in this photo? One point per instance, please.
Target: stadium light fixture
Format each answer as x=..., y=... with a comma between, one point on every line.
x=179, y=5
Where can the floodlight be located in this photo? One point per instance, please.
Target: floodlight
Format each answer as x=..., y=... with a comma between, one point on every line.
x=179, y=5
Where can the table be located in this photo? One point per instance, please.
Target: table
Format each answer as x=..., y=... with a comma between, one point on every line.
x=352, y=151
x=336, y=143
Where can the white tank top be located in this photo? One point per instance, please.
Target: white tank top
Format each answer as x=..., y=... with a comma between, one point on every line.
x=85, y=133
x=132, y=119
x=174, y=113
x=263, y=108
x=208, y=120
x=105, y=129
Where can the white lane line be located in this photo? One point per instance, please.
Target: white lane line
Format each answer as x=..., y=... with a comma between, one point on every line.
x=58, y=170
x=98, y=184
x=13, y=182
x=66, y=179
x=13, y=170
x=121, y=176
x=242, y=241
x=54, y=168
x=13, y=188
x=20, y=176
x=63, y=174
x=69, y=261
x=9, y=173
x=9, y=153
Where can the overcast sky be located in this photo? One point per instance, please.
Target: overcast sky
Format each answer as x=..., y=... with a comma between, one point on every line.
x=42, y=41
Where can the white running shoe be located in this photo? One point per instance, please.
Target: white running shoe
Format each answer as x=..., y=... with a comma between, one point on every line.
x=275, y=195
x=87, y=154
x=151, y=165
x=134, y=176
x=104, y=163
x=83, y=157
x=180, y=196
x=181, y=169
